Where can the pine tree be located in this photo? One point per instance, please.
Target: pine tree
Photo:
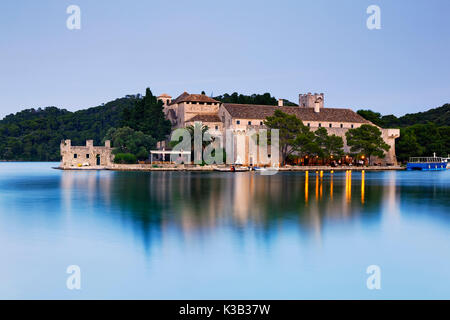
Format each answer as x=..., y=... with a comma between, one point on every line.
x=148, y=117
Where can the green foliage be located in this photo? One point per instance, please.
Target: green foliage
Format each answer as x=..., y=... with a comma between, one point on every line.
x=263, y=99
x=423, y=140
x=147, y=116
x=293, y=135
x=127, y=140
x=374, y=117
x=35, y=134
x=367, y=140
x=439, y=116
x=295, y=138
x=407, y=145
x=205, y=136
x=421, y=134
x=125, y=158
x=329, y=145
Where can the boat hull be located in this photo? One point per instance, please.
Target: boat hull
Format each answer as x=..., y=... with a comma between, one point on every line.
x=424, y=166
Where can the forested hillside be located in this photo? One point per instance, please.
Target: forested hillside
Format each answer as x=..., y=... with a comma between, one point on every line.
x=35, y=134
x=421, y=134
x=439, y=116
x=263, y=99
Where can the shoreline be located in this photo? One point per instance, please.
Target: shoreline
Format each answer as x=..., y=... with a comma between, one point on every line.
x=148, y=168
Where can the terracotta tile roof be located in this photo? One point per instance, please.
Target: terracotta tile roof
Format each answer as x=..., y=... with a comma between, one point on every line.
x=164, y=95
x=205, y=118
x=248, y=111
x=186, y=97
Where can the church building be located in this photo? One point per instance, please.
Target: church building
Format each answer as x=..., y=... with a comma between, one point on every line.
x=188, y=109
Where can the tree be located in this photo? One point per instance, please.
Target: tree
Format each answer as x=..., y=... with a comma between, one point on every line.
x=126, y=140
x=374, y=117
x=148, y=117
x=306, y=145
x=407, y=145
x=293, y=135
x=329, y=145
x=205, y=137
x=367, y=140
x=262, y=99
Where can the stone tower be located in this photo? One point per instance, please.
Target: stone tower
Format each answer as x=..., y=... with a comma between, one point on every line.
x=165, y=98
x=310, y=100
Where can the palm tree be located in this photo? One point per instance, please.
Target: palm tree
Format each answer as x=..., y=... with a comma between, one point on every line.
x=199, y=128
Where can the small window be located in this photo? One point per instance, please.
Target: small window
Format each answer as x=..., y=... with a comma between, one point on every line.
x=249, y=123
x=352, y=126
x=269, y=155
x=217, y=127
x=87, y=156
x=75, y=156
x=342, y=125
x=261, y=123
x=238, y=121
x=331, y=125
x=309, y=124
x=320, y=125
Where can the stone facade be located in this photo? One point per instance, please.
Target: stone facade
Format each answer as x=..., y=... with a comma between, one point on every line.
x=88, y=156
x=310, y=100
x=239, y=118
x=190, y=108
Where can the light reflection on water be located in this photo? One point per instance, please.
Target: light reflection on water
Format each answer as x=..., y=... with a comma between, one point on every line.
x=220, y=235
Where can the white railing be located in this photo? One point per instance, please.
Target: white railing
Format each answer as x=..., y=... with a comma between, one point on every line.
x=425, y=159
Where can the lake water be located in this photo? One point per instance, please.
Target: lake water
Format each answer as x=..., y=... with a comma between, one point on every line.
x=186, y=235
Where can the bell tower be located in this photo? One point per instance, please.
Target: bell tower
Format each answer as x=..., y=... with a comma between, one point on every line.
x=310, y=100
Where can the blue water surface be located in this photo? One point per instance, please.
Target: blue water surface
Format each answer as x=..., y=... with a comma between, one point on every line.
x=193, y=235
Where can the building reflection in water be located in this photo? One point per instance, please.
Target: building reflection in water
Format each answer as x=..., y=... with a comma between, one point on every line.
x=306, y=186
x=363, y=180
x=197, y=203
x=391, y=208
x=317, y=187
x=331, y=186
x=348, y=186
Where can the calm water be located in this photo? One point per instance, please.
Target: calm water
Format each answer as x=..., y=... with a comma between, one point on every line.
x=182, y=235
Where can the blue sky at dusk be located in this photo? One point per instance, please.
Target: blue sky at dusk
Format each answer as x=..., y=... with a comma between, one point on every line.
x=281, y=47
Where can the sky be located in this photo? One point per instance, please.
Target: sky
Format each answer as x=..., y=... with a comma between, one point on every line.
x=282, y=47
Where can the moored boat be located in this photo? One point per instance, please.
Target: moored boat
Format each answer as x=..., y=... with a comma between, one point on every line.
x=427, y=163
x=232, y=169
